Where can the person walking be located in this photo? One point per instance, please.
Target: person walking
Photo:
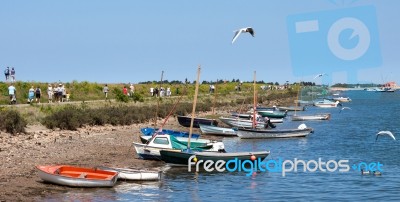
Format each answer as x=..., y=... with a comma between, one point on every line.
x=152, y=91
x=105, y=90
x=169, y=92
x=12, y=73
x=7, y=73
x=50, y=93
x=125, y=90
x=31, y=95
x=12, y=93
x=38, y=93
x=131, y=90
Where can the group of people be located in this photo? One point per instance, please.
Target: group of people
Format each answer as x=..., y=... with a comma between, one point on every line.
x=57, y=94
x=10, y=74
x=124, y=90
x=162, y=92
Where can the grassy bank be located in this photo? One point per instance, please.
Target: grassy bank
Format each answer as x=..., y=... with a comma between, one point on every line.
x=97, y=111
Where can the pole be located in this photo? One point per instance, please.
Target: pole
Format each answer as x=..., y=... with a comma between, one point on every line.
x=194, y=105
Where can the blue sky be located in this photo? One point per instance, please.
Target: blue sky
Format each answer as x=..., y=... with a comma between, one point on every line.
x=131, y=41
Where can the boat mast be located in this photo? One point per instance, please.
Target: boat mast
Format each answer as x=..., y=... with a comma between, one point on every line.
x=215, y=97
x=158, y=99
x=194, y=105
x=254, y=101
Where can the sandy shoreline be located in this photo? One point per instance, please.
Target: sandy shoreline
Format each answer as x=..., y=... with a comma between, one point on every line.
x=88, y=147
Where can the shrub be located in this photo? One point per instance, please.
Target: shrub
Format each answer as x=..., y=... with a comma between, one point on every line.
x=120, y=96
x=69, y=118
x=12, y=122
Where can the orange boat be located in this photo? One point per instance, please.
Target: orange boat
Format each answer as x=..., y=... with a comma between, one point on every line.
x=77, y=176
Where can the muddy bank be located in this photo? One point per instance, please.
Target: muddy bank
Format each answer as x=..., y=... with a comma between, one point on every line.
x=88, y=147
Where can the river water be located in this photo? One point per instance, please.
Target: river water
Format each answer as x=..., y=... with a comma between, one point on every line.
x=348, y=135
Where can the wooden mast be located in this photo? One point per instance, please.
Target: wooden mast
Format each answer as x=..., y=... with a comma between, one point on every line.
x=194, y=105
x=158, y=99
x=215, y=97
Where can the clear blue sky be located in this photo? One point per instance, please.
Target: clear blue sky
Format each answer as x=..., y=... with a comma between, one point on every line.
x=132, y=41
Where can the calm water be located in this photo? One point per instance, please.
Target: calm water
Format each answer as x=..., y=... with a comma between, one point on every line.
x=348, y=135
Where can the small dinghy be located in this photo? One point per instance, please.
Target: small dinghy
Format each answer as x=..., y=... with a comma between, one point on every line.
x=77, y=176
x=134, y=174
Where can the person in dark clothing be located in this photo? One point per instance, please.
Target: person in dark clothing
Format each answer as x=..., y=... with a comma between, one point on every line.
x=7, y=73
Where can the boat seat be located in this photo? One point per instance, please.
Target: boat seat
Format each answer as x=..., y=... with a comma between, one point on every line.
x=82, y=175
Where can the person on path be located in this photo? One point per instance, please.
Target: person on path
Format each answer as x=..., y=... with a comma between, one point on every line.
x=125, y=90
x=31, y=95
x=169, y=92
x=152, y=91
x=12, y=93
x=131, y=90
x=105, y=90
x=7, y=73
x=63, y=94
x=156, y=92
x=12, y=73
x=38, y=93
x=50, y=93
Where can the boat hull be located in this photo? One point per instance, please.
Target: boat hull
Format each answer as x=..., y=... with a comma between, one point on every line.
x=150, y=131
x=243, y=123
x=273, y=133
x=299, y=108
x=134, y=174
x=326, y=104
x=77, y=177
x=214, y=130
x=181, y=158
x=311, y=117
x=272, y=114
x=185, y=121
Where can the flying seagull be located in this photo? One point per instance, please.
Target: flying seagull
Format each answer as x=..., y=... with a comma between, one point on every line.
x=319, y=75
x=238, y=32
x=343, y=108
x=385, y=132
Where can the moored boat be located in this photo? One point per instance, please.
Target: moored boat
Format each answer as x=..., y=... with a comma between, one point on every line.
x=326, y=103
x=342, y=99
x=215, y=130
x=244, y=123
x=134, y=174
x=185, y=121
x=77, y=176
x=293, y=108
x=150, y=131
x=326, y=116
x=151, y=150
x=302, y=131
x=272, y=114
x=177, y=157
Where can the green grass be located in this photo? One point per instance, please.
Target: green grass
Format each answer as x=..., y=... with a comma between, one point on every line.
x=123, y=110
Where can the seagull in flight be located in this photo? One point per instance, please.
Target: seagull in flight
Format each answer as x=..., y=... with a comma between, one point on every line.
x=343, y=108
x=238, y=32
x=319, y=75
x=385, y=132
